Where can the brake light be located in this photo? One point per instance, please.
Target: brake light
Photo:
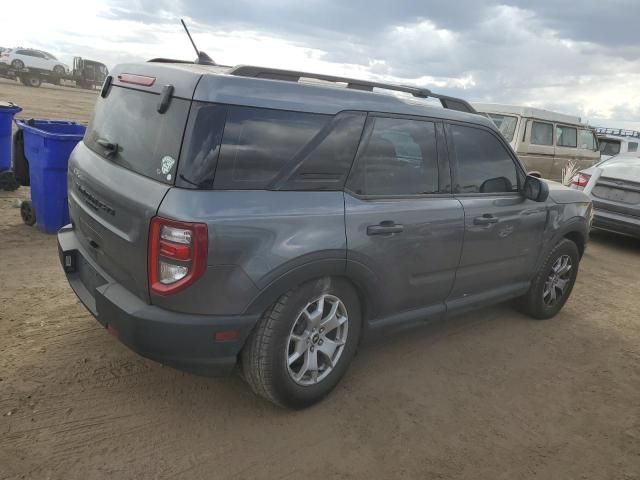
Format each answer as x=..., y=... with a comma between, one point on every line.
x=580, y=180
x=136, y=79
x=177, y=254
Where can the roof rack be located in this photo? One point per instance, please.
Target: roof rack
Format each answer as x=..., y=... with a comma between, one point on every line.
x=620, y=132
x=446, y=101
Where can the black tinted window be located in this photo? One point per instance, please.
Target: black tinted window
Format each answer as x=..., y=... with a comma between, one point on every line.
x=325, y=161
x=484, y=164
x=257, y=142
x=202, y=145
x=633, y=147
x=399, y=158
x=147, y=142
x=313, y=154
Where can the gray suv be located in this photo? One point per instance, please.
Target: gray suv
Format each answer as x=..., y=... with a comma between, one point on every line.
x=272, y=219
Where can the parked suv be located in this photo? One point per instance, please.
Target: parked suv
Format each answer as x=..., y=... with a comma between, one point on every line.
x=20, y=58
x=271, y=219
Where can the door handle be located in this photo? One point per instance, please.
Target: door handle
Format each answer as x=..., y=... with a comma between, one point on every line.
x=384, y=228
x=486, y=219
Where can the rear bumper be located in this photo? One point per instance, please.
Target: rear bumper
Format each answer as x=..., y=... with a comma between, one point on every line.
x=184, y=341
x=616, y=222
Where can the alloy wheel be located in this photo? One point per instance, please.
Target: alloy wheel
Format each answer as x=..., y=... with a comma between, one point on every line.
x=557, y=281
x=317, y=340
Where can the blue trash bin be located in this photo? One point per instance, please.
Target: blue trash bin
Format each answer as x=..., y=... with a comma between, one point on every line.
x=47, y=146
x=7, y=111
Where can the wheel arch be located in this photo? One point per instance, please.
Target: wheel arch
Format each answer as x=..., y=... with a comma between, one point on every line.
x=578, y=238
x=358, y=279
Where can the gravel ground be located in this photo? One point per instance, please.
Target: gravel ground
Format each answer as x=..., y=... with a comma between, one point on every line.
x=491, y=394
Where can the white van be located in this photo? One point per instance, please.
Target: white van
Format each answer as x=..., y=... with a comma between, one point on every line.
x=616, y=141
x=545, y=141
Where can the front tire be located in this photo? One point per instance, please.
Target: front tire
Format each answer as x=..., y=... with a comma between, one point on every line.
x=304, y=343
x=552, y=285
x=17, y=64
x=59, y=70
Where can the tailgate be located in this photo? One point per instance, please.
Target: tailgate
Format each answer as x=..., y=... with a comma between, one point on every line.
x=127, y=161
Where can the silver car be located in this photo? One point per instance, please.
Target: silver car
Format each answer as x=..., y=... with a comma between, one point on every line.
x=616, y=193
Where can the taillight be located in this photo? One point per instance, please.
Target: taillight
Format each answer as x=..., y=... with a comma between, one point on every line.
x=580, y=180
x=177, y=254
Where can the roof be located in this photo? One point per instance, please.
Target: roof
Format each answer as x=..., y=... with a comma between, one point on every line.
x=219, y=84
x=529, y=112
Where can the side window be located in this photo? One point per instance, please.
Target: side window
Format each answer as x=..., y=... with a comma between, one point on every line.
x=541, y=133
x=399, y=158
x=566, y=136
x=632, y=147
x=257, y=142
x=586, y=140
x=24, y=52
x=484, y=165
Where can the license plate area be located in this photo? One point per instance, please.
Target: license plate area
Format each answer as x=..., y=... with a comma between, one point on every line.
x=89, y=277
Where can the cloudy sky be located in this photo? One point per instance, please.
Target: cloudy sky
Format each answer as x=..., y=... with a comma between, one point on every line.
x=580, y=58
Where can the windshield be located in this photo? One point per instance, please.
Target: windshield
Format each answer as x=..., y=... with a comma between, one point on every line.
x=609, y=147
x=505, y=123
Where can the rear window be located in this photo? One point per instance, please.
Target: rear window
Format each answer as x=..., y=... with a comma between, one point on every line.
x=248, y=148
x=147, y=142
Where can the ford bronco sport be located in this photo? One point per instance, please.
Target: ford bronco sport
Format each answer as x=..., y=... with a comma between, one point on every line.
x=270, y=219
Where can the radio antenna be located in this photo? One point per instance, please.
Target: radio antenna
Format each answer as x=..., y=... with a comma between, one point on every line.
x=202, y=58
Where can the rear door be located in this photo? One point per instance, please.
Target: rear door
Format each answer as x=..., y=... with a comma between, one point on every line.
x=503, y=229
x=402, y=223
x=123, y=168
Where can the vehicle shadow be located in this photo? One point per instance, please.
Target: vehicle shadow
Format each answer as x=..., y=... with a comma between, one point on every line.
x=622, y=242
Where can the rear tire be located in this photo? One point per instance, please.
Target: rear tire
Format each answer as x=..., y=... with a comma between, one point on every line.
x=33, y=81
x=304, y=343
x=552, y=285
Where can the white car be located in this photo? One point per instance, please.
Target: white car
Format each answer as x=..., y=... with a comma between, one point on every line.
x=20, y=58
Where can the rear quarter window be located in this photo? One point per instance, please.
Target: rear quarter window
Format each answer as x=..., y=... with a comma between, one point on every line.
x=247, y=148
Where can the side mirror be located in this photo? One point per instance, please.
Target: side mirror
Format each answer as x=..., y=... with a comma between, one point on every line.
x=535, y=189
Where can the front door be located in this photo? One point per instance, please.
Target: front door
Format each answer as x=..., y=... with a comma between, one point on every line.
x=503, y=229
x=403, y=225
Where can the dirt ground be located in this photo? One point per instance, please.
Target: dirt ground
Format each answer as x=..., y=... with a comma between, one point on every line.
x=490, y=395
